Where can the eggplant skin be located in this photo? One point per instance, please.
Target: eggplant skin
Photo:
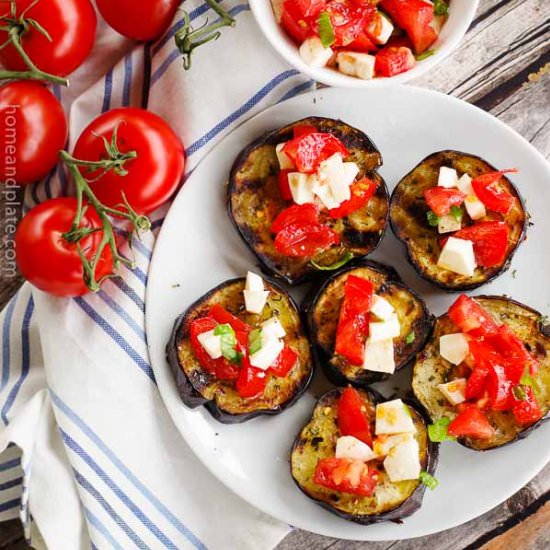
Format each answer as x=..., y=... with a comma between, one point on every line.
x=322, y=310
x=198, y=387
x=431, y=369
x=391, y=501
x=408, y=220
x=254, y=201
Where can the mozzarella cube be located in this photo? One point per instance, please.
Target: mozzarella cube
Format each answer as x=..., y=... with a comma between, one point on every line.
x=464, y=184
x=379, y=357
x=274, y=328
x=285, y=162
x=322, y=190
x=448, y=224
x=393, y=417
x=458, y=256
x=383, y=444
x=447, y=177
x=314, y=53
x=300, y=188
x=381, y=308
x=332, y=174
x=211, y=343
x=254, y=282
x=385, y=330
x=380, y=29
x=475, y=208
x=360, y=65
x=403, y=461
x=350, y=447
x=454, y=347
x=255, y=301
x=268, y=353
x=454, y=391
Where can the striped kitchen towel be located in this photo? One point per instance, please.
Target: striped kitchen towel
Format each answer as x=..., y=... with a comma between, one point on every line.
x=90, y=454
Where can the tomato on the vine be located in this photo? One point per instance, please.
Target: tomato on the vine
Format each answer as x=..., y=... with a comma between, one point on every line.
x=152, y=177
x=34, y=128
x=49, y=261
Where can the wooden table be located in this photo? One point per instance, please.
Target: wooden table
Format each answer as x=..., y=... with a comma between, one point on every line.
x=502, y=66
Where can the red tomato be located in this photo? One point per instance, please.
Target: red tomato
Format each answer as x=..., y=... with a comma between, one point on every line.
x=490, y=241
x=301, y=241
x=362, y=43
x=391, y=61
x=513, y=349
x=527, y=411
x=34, y=128
x=353, y=322
x=222, y=316
x=293, y=21
x=46, y=259
x=71, y=25
x=346, y=476
x=470, y=317
x=309, y=150
x=296, y=214
x=361, y=193
x=352, y=418
x=471, y=422
x=284, y=363
x=251, y=382
x=303, y=129
x=490, y=194
x=499, y=388
x=475, y=385
x=309, y=8
x=441, y=200
x=284, y=186
x=142, y=20
x=348, y=20
x=156, y=172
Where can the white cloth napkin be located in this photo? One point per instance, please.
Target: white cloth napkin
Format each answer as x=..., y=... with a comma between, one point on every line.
x=90, y=453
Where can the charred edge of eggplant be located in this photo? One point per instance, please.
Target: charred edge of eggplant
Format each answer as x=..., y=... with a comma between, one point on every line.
x=464, y=287
x=191, y=397
x=274, y=137
x=409, y=506
x=322, y=358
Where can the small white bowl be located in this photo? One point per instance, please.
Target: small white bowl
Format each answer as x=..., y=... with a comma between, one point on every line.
x=461, y=14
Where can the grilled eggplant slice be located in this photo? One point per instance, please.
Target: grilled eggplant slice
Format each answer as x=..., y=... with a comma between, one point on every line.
x=322, y=311
x=198, y=387
x=408, y=217
x=431, y=369
x=254, y=201
x=390, y=501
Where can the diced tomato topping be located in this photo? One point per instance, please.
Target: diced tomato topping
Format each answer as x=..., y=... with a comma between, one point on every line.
x=303, y=129
x=222, y=316
x=499, y=388
x=310, y=8
x=303, y=241
x=284, y=186
x=346, y=476
x=348, y=20
x=488, y=192
x=352, y=418
x=361, y=193
x=470, y=317
x=296, y=214
x=527, y=411
x=392, y=60
x=471, y=422
x=284, y=363
x=441, y=200
x=362, y=43
x=251, y=381
x=293, y=20
x=309, y=150
x=512, y=348
x=475, y=385
x=353, y=323
x=490, y=241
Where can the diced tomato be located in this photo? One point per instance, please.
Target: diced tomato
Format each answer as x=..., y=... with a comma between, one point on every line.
x=348, y=20
x=284, y=186
x=294, y=22
x=362, y=43
x=475, y=385
x=222, y=316
x=470, y=317
x=415, y=18
x=391, y=61
x=296, y=214
x=512, y=348
x=441, y=200
x=353, y=323
x=490, y=241
x=284, y=363
x=527, y=411
x=471, y=422
x=488, y=192
x=252, y=381
x=310, y=8
x=309, y=150
x=352, y=418
x=346, y=476
x=303, y=129
x=361, y=193
x=299, y=240
x=499, y=388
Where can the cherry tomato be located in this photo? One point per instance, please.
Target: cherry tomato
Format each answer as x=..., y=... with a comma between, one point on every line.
x=527, y=411
x=361, y=193
x=490, y=241
x=284, y=363
x=296, y=214
x=491, y=195
x=303, y=241
x=309, y=150
x=34, y=128
x=142, y=20
x=471, y=422
x=152, y=177
x=391, y=61
x=470, y=317
x=352, y=419
x=346, y=475
x=46, y=259
x=71, y=25
x=441, y=200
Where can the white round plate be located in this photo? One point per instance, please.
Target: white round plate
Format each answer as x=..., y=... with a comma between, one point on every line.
x=198, y=248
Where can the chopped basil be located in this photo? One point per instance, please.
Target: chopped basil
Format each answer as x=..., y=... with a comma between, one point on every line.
x=424, y=55
x=410, y=338
x=531, y=381
x=228, y=342
x=428, y=480
x=437, y=431
x=441, y=7
x=433, y=218
x=255, y=341
x=348, y=256
x=326, y=30
x=456, y=213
